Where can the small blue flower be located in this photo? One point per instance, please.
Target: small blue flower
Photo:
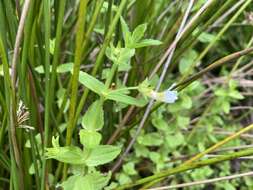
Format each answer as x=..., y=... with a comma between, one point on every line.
x=170, y=96
x=166, y=96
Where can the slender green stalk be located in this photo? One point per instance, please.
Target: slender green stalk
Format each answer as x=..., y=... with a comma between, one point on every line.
x=56, y=56
x=94, y=18
x=86, y=39
x=47, y=24
x=110, y=76
x=8, y=95
x=100, y=56
x=74, y=80
x=219, y=144
x=161, y=175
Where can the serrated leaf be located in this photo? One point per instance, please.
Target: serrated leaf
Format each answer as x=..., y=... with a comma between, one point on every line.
x=123, y=98
x=89, y=139
x=146, y=42
x=67, y=154
x=94, y=117
x=91, y=83
x=102, y=154
x=138, y=32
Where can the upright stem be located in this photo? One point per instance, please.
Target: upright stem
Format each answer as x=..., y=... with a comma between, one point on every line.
x=101, y=54
x=46, y=9
x=74, y=80
x=13, y=102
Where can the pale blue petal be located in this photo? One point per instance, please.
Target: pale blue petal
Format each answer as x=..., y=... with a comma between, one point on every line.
x=170, y=96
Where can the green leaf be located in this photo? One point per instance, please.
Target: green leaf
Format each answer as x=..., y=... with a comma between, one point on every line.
x=40, y=69
x=141, y=150
x=94, y=117
x=174, y=140
x=91, y=181
x=102, y=154
x=72, y=183
x=120, y=56
x=64, y=68
x=1, y=70
x=160, y=123
x=202, y=173
x=92, y=83
x=138, y=32
x=125, y=31
x=225, y=106
x=183, y=121
x=89, y=139
x=186, y=102
x=205, y=37
x=97, y=181
x=55, y=141
x=146, y=42
x=67, y=154
x=123, y=98
x=187, y=61
x=129, y=168
x=52, y=46
x=150, y=139
x=235, y=94
x=125, y=56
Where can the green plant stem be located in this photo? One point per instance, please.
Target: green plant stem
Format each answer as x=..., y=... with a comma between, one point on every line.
x=8, y=94
x=100, y=56
x=94, y=18
x=161, y=175
x=216, y=146
x=86, y=39
x=219, y=144
x=75, y=76
x=47, y=17
x=56, y=56
x=110, y=76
